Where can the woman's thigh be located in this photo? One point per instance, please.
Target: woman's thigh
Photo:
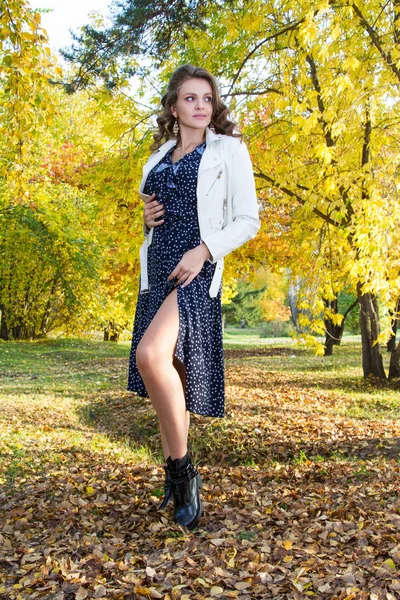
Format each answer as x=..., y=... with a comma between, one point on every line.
x=161, y=336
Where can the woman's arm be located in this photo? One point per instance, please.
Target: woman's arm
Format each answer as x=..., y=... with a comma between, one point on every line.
x=245, y=209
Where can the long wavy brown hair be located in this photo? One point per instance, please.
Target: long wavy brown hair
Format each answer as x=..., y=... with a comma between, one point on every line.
x=165, y=120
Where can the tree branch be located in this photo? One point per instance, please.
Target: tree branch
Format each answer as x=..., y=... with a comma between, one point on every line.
x=350, y=308
x=299, y=199
x=325, y=127
x=257, y=93
x=387, y=56
x=321, y=105
x=261, y=43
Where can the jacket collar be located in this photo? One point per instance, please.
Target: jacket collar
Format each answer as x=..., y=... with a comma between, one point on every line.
x=209, y=159
x=210, y=138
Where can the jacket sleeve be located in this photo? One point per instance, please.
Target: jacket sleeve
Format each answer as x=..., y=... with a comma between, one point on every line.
x=245, y=221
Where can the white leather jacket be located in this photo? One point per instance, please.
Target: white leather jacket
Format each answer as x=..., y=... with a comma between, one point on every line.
x=227, y=204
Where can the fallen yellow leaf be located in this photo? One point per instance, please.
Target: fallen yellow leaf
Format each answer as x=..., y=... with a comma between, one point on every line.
x=231, y=562
x=215, y=590
x=287, y=558
x=144, y=591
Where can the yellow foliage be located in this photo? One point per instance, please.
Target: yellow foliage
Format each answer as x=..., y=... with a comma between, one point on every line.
x=27, y=100
x=272, y=300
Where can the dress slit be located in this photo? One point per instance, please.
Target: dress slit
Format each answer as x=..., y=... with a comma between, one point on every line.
x=179, y=349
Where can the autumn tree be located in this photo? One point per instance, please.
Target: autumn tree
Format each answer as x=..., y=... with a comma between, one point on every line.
x=64, y=262
x=315, y=85
x=323, y=130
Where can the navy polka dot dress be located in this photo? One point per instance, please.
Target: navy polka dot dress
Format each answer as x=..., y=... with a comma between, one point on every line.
x=199, y=345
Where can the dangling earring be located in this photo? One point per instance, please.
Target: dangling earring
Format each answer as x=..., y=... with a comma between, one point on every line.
x=212, y=127
x=175, y=128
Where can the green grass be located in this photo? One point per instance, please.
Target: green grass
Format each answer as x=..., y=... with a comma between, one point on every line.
x=44, y=391
x=340, y=373
x=65, y=398
x=236, y=337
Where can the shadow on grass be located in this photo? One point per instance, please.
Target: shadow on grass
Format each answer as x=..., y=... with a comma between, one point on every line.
x=247, y=438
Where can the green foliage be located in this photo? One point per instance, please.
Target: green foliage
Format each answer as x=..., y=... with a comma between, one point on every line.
x=346, y=299
x=244, y=306
x=259, y=297
x=69, y=221
x=111, y=53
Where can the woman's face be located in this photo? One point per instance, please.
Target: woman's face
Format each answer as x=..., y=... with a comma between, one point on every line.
x=194, y=99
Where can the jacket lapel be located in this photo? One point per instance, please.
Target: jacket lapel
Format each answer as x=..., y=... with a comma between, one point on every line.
x=154, y=160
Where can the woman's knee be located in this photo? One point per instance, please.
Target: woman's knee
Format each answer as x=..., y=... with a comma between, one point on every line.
x=156, y=347
x=146, y=357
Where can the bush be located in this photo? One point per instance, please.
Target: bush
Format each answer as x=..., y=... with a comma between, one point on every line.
x=276, y=329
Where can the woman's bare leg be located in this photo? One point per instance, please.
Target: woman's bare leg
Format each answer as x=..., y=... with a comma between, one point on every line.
x=182, y=374
x=164, y=440
x=154, y=359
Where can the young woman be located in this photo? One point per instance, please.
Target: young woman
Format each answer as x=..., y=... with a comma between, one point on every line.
x=201, y=204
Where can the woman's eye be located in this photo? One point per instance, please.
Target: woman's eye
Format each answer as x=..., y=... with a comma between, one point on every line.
x=207, y=98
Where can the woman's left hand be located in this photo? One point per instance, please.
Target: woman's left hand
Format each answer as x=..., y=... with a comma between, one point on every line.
x=190, y=265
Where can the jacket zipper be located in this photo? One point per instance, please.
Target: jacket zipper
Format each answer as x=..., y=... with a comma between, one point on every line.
x=218, y=177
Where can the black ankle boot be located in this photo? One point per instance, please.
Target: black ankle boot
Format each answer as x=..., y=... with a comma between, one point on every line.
x=167, y=489
x=185, y=484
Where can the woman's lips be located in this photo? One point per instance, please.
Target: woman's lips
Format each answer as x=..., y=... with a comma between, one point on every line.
x=199, y=116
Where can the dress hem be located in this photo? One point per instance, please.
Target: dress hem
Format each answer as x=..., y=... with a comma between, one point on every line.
x=193, y=412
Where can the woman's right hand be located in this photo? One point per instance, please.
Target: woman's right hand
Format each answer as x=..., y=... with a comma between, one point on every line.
x=152, y=210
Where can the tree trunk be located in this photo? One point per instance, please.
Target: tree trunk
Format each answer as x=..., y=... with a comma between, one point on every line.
x=17, y=332
x=369, y=323
x=112, y=332
x=328, y=347
x=391, y=345
x=334, y=333
x=46, y=313
x=333, y=336
x=369, y=316
x=394, y=366
x=292, y=297
x=4, y=333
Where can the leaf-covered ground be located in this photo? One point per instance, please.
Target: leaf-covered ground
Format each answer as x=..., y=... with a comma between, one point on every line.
x=300, y=481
